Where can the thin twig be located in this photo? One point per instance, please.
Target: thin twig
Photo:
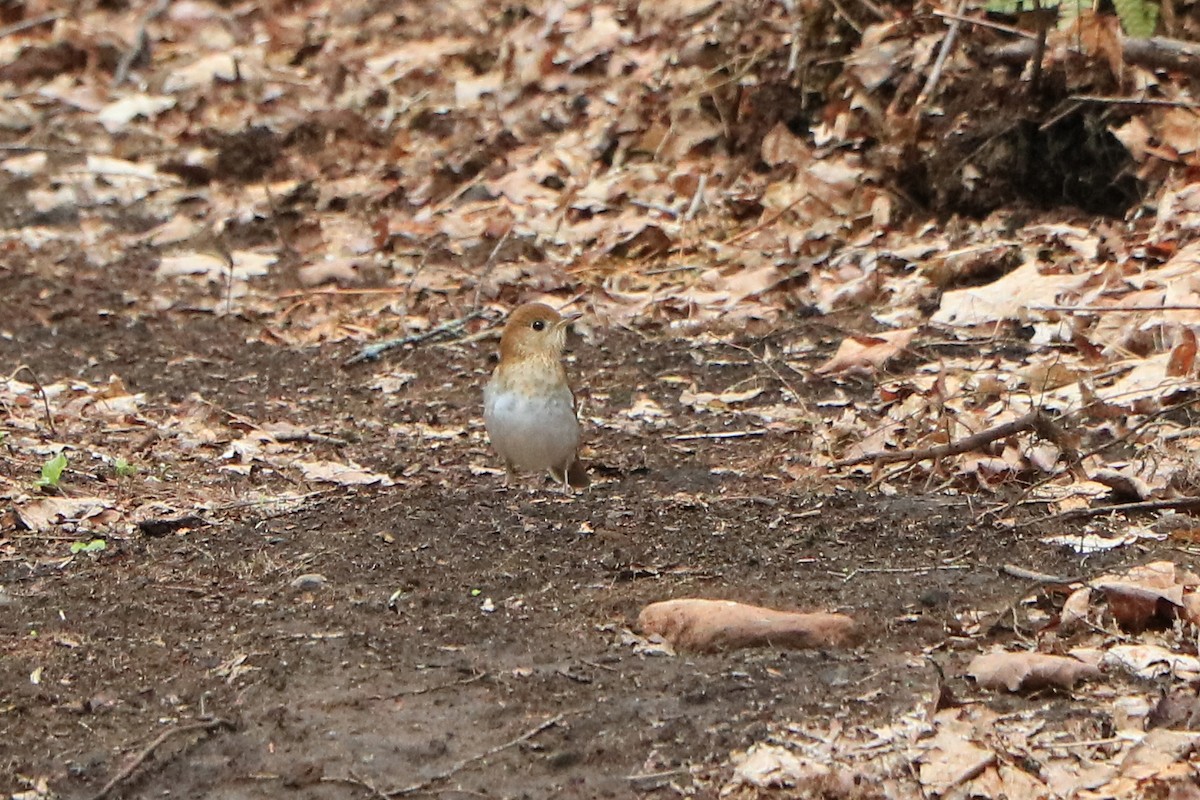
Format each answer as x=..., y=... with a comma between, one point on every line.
x=37, y=384
x=283, y=242
x=39, y=148
x=769, y=366
x=935, y=74
x=771, y=220
x=985, y=23
x=899, y=570
x=846, y=16
x=372, y=352
x=337, y=290
x=1101, y=309
x=23, y=25
x=229, y=283
x=1186, y=503
x=1133, y=101
x=687, y=437
x=1038, y=577
x=697, y=198
x=489, y=265
x=1018, y=425
x=439, y=686
x=874, y=9
x=140, y=42
x=659, y=207
x=128, y=769
x=459, y=766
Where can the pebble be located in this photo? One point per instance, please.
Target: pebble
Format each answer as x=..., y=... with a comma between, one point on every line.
x=309, y=580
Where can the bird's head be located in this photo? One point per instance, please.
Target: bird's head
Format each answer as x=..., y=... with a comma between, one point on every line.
x=535, y=330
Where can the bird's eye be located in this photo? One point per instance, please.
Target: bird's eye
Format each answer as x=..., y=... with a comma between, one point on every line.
x=539, y=325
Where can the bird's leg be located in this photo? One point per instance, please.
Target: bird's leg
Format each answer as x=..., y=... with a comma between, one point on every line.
x=560, y=477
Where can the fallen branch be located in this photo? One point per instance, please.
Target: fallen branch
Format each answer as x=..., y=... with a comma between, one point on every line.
x=374, y=351
x=1077, y=459
x=1034, y=419
x=128, y=769
x=1157, y=52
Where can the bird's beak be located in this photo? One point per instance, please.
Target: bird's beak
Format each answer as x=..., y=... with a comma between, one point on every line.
x=568, y=319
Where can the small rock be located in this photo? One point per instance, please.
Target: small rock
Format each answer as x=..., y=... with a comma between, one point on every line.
x=709, y=625
x=309, y=581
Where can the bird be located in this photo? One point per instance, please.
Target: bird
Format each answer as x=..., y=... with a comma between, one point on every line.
x=528, y=406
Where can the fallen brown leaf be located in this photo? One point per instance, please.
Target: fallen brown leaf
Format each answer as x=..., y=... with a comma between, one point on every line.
x=1017, y=671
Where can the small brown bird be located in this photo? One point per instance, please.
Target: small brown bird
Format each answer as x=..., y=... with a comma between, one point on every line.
x=527, y=405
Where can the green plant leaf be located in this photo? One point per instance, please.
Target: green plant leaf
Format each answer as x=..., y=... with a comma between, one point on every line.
x=1138, y=18
x=52, y=472
x=122, y=468
x=94, y=546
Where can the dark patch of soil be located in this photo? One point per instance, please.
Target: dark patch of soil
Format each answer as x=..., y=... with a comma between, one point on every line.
x=335, y=688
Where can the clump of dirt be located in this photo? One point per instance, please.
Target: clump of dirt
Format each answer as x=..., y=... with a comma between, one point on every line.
x=247, y=155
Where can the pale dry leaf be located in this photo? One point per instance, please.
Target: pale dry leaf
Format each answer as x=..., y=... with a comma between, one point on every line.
x=348, y=474
x=45, y=513
x=859, y=354
x=1145, y=595
x=1009, y=297
x=953, y=756
x=201, y=72
x=329, y=270
x=716, y=402
x=392, y=382
x=25, y=165
x=1160, y=759
x=662, y=10
x=781, y=146
x=111, y=167
x=1179, y=129
x=1136, y=135
x=119, y=113
x=643, y=412
x=1091, y=542
x=1026, y=671
x=1124, y=485
x=214, y=268
x=1148, y=661
x=1075, y=610
x=772, y=766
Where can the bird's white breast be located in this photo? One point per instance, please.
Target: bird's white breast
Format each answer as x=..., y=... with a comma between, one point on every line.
x=532, y=431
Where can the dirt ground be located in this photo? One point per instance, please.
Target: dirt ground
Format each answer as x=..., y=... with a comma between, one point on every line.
x=509, y=607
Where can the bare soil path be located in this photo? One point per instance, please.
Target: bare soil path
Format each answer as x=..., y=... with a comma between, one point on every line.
x=502, y=665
